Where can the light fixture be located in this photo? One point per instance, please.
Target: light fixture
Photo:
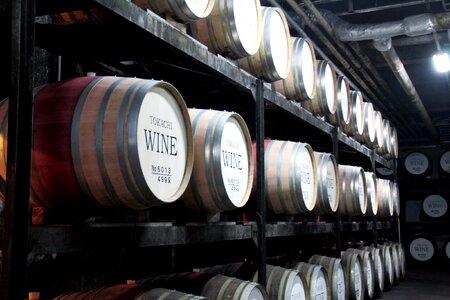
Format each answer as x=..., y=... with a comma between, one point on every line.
x=441, y=61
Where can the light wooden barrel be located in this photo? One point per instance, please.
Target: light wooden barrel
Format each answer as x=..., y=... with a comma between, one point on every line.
x=300, y=84
x=385, y=198
x=372, y=200
x=106, y=129
x=353, y=195
x=434, y=206
x=290, y=177
x=395, y=260
x=273, y=60
x=394, y=143
x=233, y=28
x=395, y=198
x=117, y=292
x=378, y=268
x=341, y=117
x=222, y=176
x=325, y=101
x=400, y=252
x=417, y=164
x=387, y=145
x=336, y=276
x=223, y=288
x=181, y=10
x=387, y=264
x=356, y=124
x=422, y=249
x=328, y=184
x=368, y=271
x=166, y=294
x=317, y=279
x=444, y=162
x=369, y=134
x=353, y=275
x=379, y=138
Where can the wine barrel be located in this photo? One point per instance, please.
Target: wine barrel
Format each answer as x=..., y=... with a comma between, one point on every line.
x=395, y=198
x=446, y=250
x=422, y=249
x=165, y=294
x=399, y=251
x=77, y=16
x=117, y=292
x=395, y=260
x=394, y=143
x=435, y=206
x=378, y=268
x=273, y=59
x=384, y=198
x=181, y=10
x=336, y=276
x=300, y=84
x=222, y=176
x=233, y=28
x=368, y=271
x=325, y=101
x=387, y=264
x=290, y=177
x=341, y=117
x=417, y=164
x=316, y=278
x=328, y=184
x=93, y=135
x=444, y=162
x=353, y=275
x=372, y=201
x=387, y=144
x=353, y=196
x=356, y=124
x=369, y=134
x=379, y=138
x=223, y=288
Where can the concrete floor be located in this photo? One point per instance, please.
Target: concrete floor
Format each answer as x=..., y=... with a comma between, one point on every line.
x=423, y=284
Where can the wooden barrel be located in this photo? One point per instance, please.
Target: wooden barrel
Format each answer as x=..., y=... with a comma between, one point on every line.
x=181, y=10
x=341, y=117
x=117, y=292
x=356, y=124
x=273, y=60
x=395, y=198
x=417, y=164
x=446, y=250
x=384, y=198
x=395, y=261
x=233, y=28
x=325, y=101
x=328, y=184
x=400, y=252
x=353, y=275
x=106, y=129
x=378, y=268
x=368, y=271
x=353, y=195
x=434, y=206
x=316, y=278
x=300, y=84
x=444, y=162
x=369, y=134
x=394, y=143
x=387, y=264
x=76, y=16
x=387, y=145
x=372, y=200
x=165, y=294
x=290, y=177
x=222, y=177
x=223, y=288
x=379, y=139
x=422, y=249
x=336, y=276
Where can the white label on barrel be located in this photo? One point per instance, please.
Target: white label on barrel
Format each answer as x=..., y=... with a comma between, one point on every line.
x=234, y=161
x=246, y=18
x=421, y=249
x=359, y=118
x=279, y=43
x=197, y=7
x=445, y=161
x=345, y=92
x=255, y=294
x=308, y=69
x=379, y=270
x=298, y=290
x=330, y=86
x=307, y=178
x=435, y=206
x=385, y=171
x=321, y=287
x=357, y=280
x=341, y=284
x=362, y=193
x=162, y=143
x=369, y=277
x=331, y=183
x=416, y=163
x=447, y=250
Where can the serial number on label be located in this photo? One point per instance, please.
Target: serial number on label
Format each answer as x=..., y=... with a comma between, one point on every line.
x=234, y=184
x=161, y=170
x=163, y=179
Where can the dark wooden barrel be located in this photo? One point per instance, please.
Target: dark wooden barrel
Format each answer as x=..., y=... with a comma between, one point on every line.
x=92, y=137
x=165, y=294
x=222, y=177
x=336, y=275
x=117, y=292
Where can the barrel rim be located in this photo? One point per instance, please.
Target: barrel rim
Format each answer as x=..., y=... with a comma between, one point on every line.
x=321, y=97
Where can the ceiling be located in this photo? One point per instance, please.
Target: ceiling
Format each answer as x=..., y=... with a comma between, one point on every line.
x=415, y=53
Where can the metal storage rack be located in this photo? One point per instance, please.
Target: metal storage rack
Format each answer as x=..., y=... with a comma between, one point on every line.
x=51, y=239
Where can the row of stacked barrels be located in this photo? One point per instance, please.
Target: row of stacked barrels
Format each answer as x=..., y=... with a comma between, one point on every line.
x=133, y=142
x=361, y=273
x=259, y=39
